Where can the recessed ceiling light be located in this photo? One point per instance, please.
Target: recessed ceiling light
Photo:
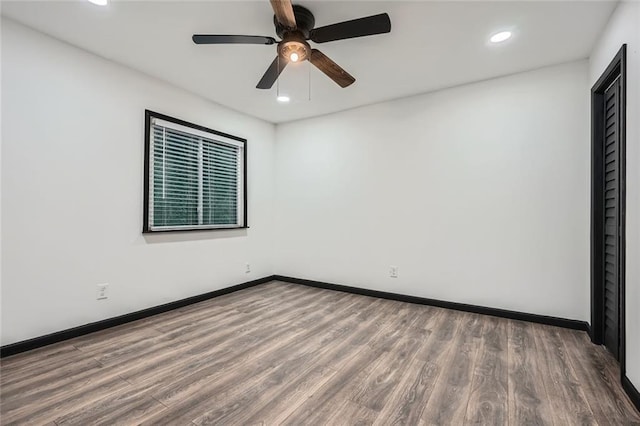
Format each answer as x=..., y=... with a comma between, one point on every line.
x=99, y=2
x=283, y=98
x=500, y=37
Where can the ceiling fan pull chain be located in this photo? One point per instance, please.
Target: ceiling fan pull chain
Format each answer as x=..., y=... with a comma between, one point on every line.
x=278, y=80
x=309, y=68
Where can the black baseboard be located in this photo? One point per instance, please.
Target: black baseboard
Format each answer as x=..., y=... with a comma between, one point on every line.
x=60, y=336
x=541, y=319
x=631, y=390
x=27, y=345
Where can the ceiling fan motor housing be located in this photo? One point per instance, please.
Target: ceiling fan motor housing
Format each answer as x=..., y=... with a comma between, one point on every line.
x=304, y=22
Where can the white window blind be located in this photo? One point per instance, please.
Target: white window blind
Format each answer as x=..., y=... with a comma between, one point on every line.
x=196, y=179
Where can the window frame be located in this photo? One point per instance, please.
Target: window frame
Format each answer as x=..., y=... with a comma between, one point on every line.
x=147, y=227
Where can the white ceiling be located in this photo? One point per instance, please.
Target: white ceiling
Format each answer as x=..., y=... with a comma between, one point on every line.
x=432, y=45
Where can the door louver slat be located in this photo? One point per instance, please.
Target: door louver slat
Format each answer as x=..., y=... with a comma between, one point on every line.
x=611, y=169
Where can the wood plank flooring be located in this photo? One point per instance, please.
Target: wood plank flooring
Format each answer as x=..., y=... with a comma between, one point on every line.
x=287, y=354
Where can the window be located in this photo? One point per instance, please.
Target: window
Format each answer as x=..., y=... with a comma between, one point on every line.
x=194, y=177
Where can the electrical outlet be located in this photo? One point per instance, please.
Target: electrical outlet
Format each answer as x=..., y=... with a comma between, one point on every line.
x=393, y=271
x=247, y=267
x=101, y=292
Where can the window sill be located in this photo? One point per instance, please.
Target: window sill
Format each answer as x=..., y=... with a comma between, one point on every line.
x=165, y=231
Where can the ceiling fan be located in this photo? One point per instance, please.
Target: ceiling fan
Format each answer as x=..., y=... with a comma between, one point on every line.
x=295, y=25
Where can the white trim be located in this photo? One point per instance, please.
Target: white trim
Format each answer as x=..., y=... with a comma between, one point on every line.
x=240, y=187
x=196, y=132
x=151, y=183
x=194, y=227
x=200, y=180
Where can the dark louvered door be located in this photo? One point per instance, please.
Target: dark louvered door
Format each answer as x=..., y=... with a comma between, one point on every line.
x=612, y=218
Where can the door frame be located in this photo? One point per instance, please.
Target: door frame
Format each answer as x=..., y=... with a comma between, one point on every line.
x=616, y=68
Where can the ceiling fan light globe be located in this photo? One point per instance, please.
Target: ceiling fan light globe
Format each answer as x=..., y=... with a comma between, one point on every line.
x=294, y=48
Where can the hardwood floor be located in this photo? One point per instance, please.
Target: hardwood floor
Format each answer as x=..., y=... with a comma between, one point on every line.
x=287, y=354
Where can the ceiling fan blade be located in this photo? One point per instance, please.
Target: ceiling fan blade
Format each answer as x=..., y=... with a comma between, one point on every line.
x=284, y=12
x=330, y=68
x=231, y=39
x=376, y=24
x=272, y=73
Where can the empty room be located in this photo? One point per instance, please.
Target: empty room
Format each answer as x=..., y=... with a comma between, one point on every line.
x=320, y=212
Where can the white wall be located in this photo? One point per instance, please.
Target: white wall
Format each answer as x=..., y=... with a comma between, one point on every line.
x=72, y=181
x=478, y=194
x=0, y=183
x=624, y=27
